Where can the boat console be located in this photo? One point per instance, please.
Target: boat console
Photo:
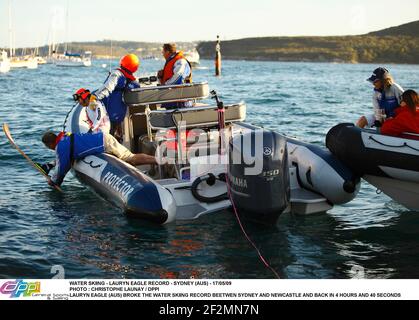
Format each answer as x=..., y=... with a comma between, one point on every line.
x=146, y=116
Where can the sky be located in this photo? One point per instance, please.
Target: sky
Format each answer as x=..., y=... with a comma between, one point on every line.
x=193, y=20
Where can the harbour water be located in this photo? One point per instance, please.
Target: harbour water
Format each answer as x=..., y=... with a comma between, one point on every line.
x=40, y=228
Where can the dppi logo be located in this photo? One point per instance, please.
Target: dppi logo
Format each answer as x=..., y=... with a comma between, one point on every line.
x=20, y=287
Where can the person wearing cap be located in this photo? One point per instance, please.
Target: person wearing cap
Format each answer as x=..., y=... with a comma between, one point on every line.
x=387, y=96
x=111, y=92
x=70, y=147
x=96, y=115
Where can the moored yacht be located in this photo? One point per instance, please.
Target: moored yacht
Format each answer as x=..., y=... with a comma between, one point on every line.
x=73, y=59
x=28, y=62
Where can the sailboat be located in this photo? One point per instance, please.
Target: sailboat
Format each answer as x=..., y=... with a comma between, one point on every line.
x=70, y=59
x=23, y=61
x=38, y=58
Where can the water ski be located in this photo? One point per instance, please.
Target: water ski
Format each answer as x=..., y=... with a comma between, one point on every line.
x=37, y=167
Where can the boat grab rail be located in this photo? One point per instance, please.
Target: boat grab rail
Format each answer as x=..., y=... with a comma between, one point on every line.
x=182, y=112
x=403, y=145
x=169, y=88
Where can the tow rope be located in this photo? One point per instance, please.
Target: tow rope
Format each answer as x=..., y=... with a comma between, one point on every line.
x=66, y=117
x=261, y=257
x=221, y=127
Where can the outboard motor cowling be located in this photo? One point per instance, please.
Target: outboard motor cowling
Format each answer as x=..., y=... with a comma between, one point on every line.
x=259, y=174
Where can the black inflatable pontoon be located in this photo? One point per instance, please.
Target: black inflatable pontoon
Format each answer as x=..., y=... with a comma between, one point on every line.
x=389, y=163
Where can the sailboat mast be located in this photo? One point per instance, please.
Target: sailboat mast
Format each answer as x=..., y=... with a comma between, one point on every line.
x=111, y=57
x=49, y=45
x=10, y=30
x=53, y=44
x=66, y=28
x=49, y=40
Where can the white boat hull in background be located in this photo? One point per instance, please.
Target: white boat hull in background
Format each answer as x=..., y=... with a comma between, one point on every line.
x=41, y=60
x=4, y=66
x=70, y=63
x=30, y=63
x=63, y=60
x=4, y=62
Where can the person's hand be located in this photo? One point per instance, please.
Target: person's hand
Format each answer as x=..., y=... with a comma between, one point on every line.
x=51, y=183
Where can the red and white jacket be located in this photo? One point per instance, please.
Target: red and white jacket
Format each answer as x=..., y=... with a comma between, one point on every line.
x=97, y=117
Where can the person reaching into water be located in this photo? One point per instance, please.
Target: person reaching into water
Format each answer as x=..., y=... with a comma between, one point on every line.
x=70, y=147
x=406, y=119
x=386, y=98
x=97, y=118
x=111, y=93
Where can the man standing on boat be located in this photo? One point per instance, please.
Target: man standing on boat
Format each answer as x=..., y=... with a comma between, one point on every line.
x=177, y=69
x=70, y=147
x=111, y=93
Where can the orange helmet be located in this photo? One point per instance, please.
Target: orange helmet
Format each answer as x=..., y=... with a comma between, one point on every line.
x=130, y=62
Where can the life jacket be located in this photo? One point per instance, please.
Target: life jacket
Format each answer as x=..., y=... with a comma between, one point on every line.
x=60, y=137
x=128, y=74
x=389, y=104
x=172, y=144
x=170, y=63
x=114, y=103
x=73, y=147
x=388, y=100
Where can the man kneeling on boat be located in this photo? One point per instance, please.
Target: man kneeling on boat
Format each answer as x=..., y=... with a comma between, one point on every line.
x=70, y=147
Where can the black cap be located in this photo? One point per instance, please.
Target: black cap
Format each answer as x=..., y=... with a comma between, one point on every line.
x=378, y=74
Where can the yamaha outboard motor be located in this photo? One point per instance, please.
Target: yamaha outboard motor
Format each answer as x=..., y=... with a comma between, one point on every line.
x=259, y=174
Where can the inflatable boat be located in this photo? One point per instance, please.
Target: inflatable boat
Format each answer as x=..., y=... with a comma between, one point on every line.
x=208, y=169
x=389, y=163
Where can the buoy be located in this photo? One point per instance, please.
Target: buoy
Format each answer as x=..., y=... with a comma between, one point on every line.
x=218, y=58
